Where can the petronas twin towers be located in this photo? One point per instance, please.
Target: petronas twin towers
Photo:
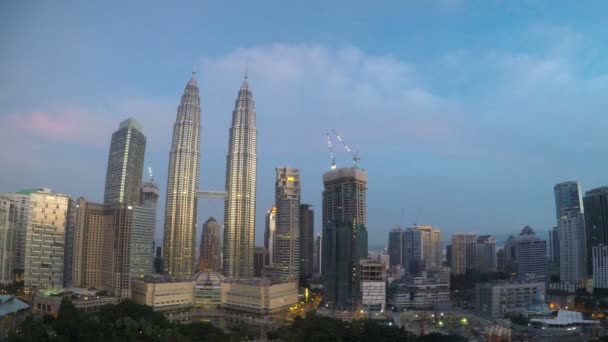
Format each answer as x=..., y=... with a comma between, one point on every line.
x=182, y=186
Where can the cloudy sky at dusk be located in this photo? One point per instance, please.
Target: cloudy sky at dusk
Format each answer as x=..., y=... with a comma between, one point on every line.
x=465, y=113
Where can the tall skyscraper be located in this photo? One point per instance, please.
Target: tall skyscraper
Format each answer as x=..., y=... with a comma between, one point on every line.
x=486, y=254
x=554, y=252
x=239, y=207
x=531, y=256
x=567, y=197
x=510, y=259
x=344, y=235
x=287, y=202
x=432, y=246
x=395, y=247
x=318, y=255
x=22, y=202
x=571, y=228
x=596, y=222
x=8, y=221
x=182, y=184
x=413, y=251
x=88, y=244
x=142, y=234
x=269, y=232
x=464, y=252
x=45, y=241
x=211, y=246
x=122, y=193
x=307, y=236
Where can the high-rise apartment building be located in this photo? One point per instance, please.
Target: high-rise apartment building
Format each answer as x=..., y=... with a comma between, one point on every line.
x=182, y=184
x=432, y=246
x=88, y=244
x=395, y=247
x=486, y=254
x=21, y=201
x=596, y=222
x=269, y=232
x=211, y=258
x=318, y=255
x=307, y=236
x=8, y=221
x=600, y=266
x=239, y=207
x=554, y=254
x=413, y=251
x=344, y=235
x=45, y=240
x=531, y=256
x=287, y=239
x=121, y=196
x=464, y=252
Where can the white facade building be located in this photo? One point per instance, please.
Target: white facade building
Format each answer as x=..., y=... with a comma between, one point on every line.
x=373, y=285
x=573, y=253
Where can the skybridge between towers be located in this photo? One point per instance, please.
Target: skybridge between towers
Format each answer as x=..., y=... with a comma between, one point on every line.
x=211, y=194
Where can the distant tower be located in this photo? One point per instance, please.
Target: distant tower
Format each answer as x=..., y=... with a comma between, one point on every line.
x=464, y=252
x=596, y=222
x=432, y=245
x=571, y=233
x=395, y=248
x=182, y=184
x=287, y=248
x=531, y=256
x=121, y=200
x=239, y=207
x=142, y=235
x=307, y=236
x=413, y=251
x=567, y=197
x=88, y=244
x=486, y=254
x=211, y=246
x=269, y=232
x=344, y=235
x=8, y=221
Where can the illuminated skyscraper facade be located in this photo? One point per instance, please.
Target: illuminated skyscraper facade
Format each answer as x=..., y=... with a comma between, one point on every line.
x=239, y=207
x=182, y=184
x=287, y=201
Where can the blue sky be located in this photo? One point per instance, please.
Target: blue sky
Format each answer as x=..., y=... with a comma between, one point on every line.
x=465, y=113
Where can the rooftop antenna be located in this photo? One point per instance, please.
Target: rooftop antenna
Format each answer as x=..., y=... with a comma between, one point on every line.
x=246, y=69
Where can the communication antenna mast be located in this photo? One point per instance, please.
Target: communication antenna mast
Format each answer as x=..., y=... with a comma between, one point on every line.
x=355, y=155
x=331, y=152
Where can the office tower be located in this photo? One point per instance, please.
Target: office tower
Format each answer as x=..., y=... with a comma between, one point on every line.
x=21, y=200
x=307, y=236
x=596, y=222
x=432, y=247
x=344, y=235
x=500, y=260
x=531, y=256
x=121, y=197
x=211, y=258
x=182, y=184
x=8, y=221
x=269, y=232
x=88, y=244
x=448, y=255
x=239, y=207
x=142, y=234
x=573, y=263
x=287, y=238
x=318, y=255
x=464, y=252
x=486, y=254
x=260, y=261
x=395, y=247
x=413, y=251
x=554, y=252
x=567, y=197
x=600, y=266
x=149, y=194
x=158, y=259
x=45, y=240
x=510, y=264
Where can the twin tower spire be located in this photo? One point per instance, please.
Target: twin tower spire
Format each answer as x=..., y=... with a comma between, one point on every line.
x=183, y=184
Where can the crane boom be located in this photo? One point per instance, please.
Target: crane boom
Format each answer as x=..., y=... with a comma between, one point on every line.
x=331, y=152
x=355, y=155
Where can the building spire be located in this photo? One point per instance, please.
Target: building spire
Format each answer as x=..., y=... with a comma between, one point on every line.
x=246, y=69
x=193, y=79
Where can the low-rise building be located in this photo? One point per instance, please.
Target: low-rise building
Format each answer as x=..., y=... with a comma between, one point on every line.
x=12, y=313
x=565, y=320
x=373, y=285
x=49, y=302
x=428, y=289
x=208, y=290
x=174, y=297
x=258, y=296
x=497, y=298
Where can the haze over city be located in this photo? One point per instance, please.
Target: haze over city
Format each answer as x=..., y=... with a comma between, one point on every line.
x=465, y=115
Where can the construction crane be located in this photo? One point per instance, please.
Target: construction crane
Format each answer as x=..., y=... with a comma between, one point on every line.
x=331, y=152
x=355, y=155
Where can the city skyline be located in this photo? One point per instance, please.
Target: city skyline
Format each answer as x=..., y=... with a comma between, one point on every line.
x=79, y=122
